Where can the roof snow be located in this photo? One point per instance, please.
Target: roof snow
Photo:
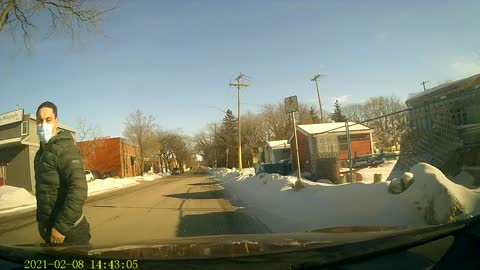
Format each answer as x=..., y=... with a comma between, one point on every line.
x=332, y=128
x=278, y=144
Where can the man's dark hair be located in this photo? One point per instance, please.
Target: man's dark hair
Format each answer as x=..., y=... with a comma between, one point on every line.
x=48, y=104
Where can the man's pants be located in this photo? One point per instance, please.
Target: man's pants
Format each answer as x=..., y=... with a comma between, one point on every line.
x=79, y=235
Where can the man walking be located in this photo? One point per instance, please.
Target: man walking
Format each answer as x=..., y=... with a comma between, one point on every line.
x=61, y=187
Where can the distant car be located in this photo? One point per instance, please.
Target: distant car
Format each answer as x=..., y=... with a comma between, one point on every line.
x=177, y=170
x=96, y=174
x=89, y=176
x=368, y=160
x=110, y=174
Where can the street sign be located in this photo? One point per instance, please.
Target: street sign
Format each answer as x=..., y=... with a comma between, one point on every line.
x=291, y=104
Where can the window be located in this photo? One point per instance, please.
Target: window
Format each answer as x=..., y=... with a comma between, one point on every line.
x=24, y=128
x=132, y=160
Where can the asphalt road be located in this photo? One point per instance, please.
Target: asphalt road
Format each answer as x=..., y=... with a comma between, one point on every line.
x=190, y=204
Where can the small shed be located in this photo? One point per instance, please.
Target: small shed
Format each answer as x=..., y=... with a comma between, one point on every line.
x=275, y=151
x=321, y=146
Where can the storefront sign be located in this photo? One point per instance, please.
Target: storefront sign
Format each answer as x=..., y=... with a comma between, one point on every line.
x=11, y=117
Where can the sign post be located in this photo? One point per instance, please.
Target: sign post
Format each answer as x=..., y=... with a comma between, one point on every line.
x=226, y=163
x=291, y=106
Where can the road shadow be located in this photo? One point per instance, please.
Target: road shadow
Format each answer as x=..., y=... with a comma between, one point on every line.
x=203, y=184
x=212, y=194
x=233, y=222
x=197, y=172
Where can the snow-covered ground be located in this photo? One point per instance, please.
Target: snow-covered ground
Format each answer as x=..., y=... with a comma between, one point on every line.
x=384, y=169
x=431, y=199
x=14, y=199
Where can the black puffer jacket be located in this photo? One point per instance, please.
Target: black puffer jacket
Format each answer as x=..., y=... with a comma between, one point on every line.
x=61, y=187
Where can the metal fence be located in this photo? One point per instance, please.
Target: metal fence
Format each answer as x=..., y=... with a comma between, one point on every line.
x=424, y=133
x=418, y=134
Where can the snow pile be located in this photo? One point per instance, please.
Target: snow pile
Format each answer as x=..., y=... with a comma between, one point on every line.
x=149, y=177
x=437, y=198
x=430, y=199
x=12, y=197
x=110, y=183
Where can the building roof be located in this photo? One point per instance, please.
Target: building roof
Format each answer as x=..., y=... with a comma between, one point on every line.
x=331, y=128
x=278, y=144
x=472, y=81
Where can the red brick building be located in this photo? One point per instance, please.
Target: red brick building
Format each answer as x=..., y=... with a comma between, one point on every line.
x=111, y=155
x=329, y=140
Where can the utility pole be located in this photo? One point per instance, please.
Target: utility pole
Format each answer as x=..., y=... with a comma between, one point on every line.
x=238, y=85
x=315, y=79
x=423, y=83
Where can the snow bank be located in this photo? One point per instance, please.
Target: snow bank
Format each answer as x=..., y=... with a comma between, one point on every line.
x=437, y=198
x=431, y=199
x=110, y=183
x=150, y=177
x=12, y=197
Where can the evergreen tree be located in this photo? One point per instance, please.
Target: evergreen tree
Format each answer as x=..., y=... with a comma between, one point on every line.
x=229, y=135
x=337, y=114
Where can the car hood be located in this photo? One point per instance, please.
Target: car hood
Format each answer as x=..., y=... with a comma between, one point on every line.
x=354, y=240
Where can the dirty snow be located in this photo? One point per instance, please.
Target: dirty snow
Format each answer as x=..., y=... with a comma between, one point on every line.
x=13, y=197
x=431, y=199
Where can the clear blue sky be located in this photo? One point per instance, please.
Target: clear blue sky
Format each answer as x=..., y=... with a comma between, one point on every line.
x=172, y=59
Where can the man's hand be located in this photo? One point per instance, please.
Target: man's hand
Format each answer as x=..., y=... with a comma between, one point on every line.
x=56, y=237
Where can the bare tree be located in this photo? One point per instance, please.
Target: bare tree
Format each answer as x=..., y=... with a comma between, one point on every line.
x=90, y=138
x=173, y=147
x=253, y=136
x=382, y=115
x=278, y=124
x=71, y=15
x=205, y=147
x=355, y=112
x=272, y=123
x=140, y=128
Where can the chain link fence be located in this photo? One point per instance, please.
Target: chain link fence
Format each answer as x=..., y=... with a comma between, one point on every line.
x=427, y=133
x=385, y=147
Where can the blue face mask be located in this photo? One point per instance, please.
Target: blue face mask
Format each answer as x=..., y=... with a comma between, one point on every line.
x=45, y=132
